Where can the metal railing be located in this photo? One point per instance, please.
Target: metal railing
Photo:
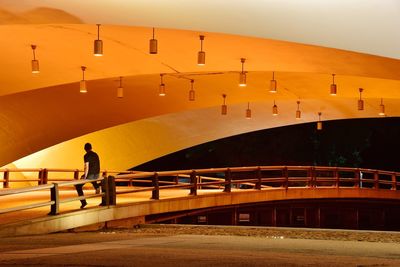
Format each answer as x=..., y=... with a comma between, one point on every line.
x=214, y=179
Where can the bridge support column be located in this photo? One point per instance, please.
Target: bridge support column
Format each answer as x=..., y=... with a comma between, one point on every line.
x=234, y=218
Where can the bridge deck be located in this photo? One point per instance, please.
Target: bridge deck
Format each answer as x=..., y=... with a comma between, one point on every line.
x=42, y=196
x=140, y=204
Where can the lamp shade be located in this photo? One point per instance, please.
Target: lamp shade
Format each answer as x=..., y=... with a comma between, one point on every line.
x=82, y=86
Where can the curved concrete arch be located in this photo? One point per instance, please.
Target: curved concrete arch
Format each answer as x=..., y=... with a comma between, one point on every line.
x=46, y=110
x=130, y=144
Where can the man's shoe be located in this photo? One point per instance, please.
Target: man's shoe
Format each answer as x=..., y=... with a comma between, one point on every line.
x=83, y=205
x=98, y=190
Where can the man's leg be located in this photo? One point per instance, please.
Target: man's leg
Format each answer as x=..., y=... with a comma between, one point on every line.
x=79, y=190
x=95, y=184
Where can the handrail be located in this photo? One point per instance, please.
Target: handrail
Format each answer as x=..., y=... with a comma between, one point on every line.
x=43, y=174
x=55, y=201
x=264, y=176
x=46, y=175
x=254, y=177
x=25, y=189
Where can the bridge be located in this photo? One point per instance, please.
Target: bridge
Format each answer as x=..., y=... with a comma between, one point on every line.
x=193, y=196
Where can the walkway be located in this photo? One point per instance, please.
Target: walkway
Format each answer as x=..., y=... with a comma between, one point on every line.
x=141, y=248
x=41, y=196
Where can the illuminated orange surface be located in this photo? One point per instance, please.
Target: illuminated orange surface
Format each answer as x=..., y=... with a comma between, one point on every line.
x=46, y=110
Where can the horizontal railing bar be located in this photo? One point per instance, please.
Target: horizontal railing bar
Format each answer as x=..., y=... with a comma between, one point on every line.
x=212, y=183
x=66, y=200
x=23, y=180
x=273, y=180
x=135, y=190
x=128, y=180
x=211, y=178
x=5, y=192
x=80, y=181
x=62, y=170
x=243, y=181
x=166, y=182
x=22, y=170
x=175, y=186
x=27, y=207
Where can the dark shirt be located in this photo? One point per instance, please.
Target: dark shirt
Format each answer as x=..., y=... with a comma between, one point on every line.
x=94, y=162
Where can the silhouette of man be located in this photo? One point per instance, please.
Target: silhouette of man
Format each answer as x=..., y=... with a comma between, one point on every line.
x=91, y=171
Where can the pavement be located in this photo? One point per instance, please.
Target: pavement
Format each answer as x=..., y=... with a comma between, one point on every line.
x=161, y=245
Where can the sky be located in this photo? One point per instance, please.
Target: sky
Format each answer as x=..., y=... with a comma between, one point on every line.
x=368, y=26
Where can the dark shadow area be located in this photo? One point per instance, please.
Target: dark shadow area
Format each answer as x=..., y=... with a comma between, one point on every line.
x=366, y=143
x=365, y=214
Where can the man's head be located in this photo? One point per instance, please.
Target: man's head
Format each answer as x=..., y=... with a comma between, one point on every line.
x=88, y=147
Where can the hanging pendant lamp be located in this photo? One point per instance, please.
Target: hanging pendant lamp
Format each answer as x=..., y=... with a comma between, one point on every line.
x=35, y=62
x=98, y=44
x=201, y=56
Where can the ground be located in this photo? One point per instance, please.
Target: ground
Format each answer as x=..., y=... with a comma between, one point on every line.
x=165, y=245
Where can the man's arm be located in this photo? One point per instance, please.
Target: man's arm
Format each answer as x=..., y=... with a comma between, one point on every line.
x=86, y=170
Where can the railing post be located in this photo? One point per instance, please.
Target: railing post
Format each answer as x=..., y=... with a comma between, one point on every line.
x=286, y=176
x=193, y=183
x=112, y=191
x=6, y=179
x=76, y=174
x=357, y=178
x=394, y=182
x=337, y=179
x=376, y=180
x=228, y=181
x=45, y=176
x=40, y=177
x=311, y=181
x=176, y=179
x=155, y=194
x=105, y=199
x=258, y=176
x=54, y=196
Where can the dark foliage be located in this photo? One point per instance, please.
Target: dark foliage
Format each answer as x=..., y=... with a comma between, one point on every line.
x=367, y=143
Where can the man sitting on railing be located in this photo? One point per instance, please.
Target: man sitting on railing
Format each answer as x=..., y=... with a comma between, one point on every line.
x=91, y=171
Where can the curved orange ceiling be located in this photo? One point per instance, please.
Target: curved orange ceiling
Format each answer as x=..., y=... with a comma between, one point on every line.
x=43, y=110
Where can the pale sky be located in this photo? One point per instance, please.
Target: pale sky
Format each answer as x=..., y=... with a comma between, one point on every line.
x=368, y=26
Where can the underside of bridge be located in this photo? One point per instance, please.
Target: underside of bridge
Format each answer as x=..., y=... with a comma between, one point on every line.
x=45, y=120
x=362, y=214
